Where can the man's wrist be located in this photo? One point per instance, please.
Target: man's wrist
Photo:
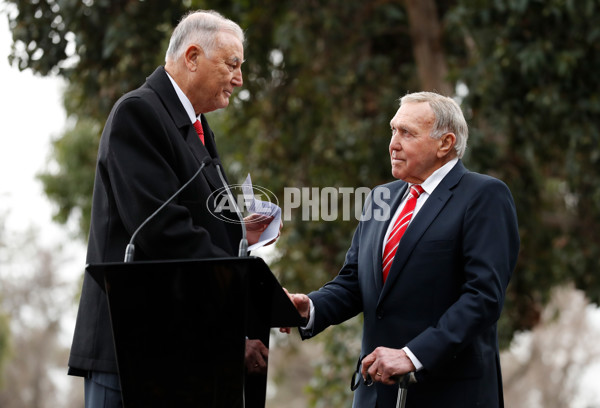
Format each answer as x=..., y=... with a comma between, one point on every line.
x=310, y=321
x=413, y=359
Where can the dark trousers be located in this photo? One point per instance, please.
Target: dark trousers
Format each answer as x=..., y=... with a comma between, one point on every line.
x=102, y=390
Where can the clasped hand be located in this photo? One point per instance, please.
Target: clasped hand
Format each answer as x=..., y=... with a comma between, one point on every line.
x=256, y=224
x=386, y=365
x=256, y=357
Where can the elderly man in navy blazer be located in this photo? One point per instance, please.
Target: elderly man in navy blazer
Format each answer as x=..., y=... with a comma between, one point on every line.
x=431, y=277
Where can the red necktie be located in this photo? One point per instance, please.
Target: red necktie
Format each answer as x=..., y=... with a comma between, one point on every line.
x=399, y=227
x=199, y=130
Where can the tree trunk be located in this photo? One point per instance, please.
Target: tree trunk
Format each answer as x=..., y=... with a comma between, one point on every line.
x=426, y=35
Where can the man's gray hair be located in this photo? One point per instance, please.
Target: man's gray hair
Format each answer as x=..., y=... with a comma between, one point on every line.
x=449, y=117
x=200, y=27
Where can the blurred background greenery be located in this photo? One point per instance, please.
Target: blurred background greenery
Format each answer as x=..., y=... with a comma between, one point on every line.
x=321, y=82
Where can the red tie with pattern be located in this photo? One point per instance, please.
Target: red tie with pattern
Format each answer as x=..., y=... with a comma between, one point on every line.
x=199, y=130
x=399, y=227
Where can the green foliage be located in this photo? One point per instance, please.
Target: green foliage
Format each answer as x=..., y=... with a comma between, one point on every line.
x=535, y=97
x=321, y=84
x=4, y=342
x=70, y=183
x=330, y=385
x=103, y=48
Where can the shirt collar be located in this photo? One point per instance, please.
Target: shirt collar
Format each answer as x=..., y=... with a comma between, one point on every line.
x=437, y=176
x=187, y=105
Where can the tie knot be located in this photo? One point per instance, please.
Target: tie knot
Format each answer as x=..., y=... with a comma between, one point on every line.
x=416, y=190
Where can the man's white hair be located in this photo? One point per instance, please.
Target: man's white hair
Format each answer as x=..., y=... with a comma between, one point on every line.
x=200, y=27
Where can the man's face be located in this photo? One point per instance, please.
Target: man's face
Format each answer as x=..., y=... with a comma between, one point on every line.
x=217, y=75
x=413, y=153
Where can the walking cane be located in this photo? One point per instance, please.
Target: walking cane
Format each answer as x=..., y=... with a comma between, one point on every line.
x=403, y=382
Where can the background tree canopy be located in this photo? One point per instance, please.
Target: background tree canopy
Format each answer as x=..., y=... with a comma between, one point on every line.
x=321, y=82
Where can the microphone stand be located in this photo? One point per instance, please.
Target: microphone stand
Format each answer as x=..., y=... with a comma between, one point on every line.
x=130, y=249
x=243, y=249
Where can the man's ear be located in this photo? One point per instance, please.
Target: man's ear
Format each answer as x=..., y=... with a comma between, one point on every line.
x=191, y=56
x=446, y=144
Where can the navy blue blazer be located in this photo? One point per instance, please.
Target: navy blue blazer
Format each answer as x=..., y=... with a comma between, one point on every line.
x=148, y=150
x=444, y=292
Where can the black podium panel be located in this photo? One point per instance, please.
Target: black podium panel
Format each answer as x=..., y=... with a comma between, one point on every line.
x=179, y=329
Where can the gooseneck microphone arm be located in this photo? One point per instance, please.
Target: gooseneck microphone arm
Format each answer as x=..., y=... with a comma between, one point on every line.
x=243, y=250
x=130, y=250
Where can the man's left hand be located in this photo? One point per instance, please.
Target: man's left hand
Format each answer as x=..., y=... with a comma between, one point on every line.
x=385, y=365
x=256, y=224
x=257, y=357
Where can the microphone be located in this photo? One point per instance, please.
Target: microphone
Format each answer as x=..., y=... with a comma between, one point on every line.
x=243, y=250
x=130, y=250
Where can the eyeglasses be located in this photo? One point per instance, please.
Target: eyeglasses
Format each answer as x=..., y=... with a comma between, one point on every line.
x=357, y=377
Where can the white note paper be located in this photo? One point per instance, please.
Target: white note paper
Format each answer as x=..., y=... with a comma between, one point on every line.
x=267, y=208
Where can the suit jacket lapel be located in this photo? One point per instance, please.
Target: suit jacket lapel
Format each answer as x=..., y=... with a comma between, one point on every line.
x=161, y=84
x=422, y=221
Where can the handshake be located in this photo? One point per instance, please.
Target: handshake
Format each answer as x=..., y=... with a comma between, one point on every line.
x=302, y=304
